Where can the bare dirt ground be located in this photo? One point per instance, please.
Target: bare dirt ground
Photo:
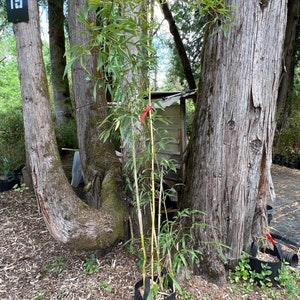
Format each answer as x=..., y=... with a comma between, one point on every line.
x=34, y=266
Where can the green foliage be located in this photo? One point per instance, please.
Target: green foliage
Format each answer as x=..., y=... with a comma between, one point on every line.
x=46, y=58
x=124, y=46
x=105, y=286
x=263, y=277
x=12, y=147
x=20, y=188
x=12, y=150
x=3, y=14
x=57, y=264
x=287, y=140
x=190, y=109
x=192, y=34
x=10, y=95
x=90, y=266
x=245, y=278
x=39, y=296
x=61, y=293
x=288, y=280
x=185, y=295
x=144, y=173
x=4, y=166
x=66, y=134
x=215, y=8
x=125, y=52
x=124, y=61
x=243, y=275
x=176, y=242
x=202, y=13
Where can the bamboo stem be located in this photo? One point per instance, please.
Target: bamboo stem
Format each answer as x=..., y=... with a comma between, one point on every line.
x=152, y=189
x=138, y=203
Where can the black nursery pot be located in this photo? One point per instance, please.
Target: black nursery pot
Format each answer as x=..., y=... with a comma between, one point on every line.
x=291, y=258
x=139, y=284
x=256, y=265
x=270, y=211
x=8, y=184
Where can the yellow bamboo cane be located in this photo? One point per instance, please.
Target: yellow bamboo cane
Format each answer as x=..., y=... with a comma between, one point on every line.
x=138, y=203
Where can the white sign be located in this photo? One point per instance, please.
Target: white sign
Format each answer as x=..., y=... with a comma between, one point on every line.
x=16, y=4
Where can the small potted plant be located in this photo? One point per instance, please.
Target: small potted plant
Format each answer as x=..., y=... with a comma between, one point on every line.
x=7, y=178
x=169, y=240
x=272, y=257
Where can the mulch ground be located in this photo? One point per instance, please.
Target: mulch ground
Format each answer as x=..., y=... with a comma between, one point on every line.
x=35, y=266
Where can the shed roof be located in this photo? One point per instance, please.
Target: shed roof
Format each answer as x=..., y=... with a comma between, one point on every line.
x=170, y=97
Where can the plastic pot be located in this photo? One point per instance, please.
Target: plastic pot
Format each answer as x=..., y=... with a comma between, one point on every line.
x=139, y=284
x=270, y=211
x=291, y=258
x=8, y=184
x=276, y=252
x=256, y=265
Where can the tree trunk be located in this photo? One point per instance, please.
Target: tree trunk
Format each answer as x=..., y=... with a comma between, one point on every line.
x=229, y=158
x=289, y=63
x=68, y=219
x=91, y=110
x=60, y=84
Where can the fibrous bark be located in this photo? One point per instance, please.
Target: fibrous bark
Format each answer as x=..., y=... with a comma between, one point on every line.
x=228, y=172
x=68, y=219
x=60, y=83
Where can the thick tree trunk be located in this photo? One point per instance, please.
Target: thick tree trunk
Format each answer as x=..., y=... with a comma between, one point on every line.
x=68, y=219
x=96, y=158
x=60, y=84
x=228, y=172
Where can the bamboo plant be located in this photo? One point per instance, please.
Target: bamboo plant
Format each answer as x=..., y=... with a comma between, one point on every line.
x=121, y=62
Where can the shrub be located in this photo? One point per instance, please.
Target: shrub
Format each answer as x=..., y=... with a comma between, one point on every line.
x=12, y=145
x=287, y=140
x=66, y=134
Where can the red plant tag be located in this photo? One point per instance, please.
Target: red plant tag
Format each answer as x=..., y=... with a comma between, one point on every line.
x=268, y=235
x=144, y=114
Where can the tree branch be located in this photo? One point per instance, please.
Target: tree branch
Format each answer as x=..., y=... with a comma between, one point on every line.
x=179, y=45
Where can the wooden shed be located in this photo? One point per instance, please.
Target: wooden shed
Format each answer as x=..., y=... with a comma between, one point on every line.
x=171, y=106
